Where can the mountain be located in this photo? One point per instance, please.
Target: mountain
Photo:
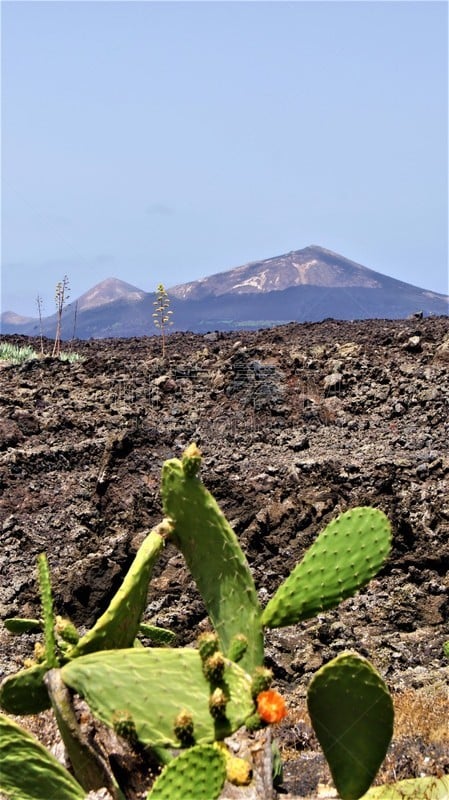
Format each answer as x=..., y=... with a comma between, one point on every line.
x=306, y=285
x=11, y=318
x=312, y=266
x=109, y=291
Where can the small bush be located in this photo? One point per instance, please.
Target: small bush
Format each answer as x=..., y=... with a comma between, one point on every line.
x=71, y=357
x=15, y=354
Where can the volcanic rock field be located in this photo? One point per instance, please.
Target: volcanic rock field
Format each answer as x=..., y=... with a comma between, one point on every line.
x=296, y=424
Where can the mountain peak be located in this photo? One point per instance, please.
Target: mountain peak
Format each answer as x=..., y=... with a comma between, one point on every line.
x=108, y=291
x=311, y=266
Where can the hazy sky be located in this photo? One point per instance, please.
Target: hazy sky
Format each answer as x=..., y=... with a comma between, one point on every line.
x=165, y=141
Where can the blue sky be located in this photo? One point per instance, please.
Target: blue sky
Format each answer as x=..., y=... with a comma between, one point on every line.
x=165, y=141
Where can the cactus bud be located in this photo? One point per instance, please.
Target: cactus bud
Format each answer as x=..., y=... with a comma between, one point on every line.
x=238, y=647
x=254, y=722
x=39, y=652
x=213, y=667
x=217, y=703
x=183, y=728
x=66, y=630
x=238, y=771
x=124, y=726
x=207, y=645
x=191, y=461
x=262, y=678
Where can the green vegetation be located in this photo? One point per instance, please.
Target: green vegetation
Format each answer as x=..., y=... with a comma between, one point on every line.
x=181, y=703
x=18, y=355
x=15, y=354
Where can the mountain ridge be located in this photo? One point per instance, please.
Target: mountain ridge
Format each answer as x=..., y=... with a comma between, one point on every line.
x=305, y=285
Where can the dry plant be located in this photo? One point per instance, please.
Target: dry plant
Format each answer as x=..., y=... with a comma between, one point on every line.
x=61, y=297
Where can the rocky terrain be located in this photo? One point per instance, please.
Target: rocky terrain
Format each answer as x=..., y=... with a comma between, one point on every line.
x=296, y=424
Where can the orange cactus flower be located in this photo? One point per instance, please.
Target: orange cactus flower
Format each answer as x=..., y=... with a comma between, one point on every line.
x=271, y=706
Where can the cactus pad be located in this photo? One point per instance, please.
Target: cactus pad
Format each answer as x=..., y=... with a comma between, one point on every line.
x=352, y=715
x=25, y=692
x=119, y=624
x=214, y=557
x=412, y=789
x=136, y=680
x=197, y=774
x=18, y=625
x=47, y=610
x=28, y=771
x=344, y=557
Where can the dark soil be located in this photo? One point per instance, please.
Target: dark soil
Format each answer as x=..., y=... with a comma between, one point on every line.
x=296, y=424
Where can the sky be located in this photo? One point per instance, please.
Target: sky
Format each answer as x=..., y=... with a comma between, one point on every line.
x=166, y=141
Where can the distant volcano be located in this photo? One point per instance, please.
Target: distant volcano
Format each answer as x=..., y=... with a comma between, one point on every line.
x=312, y=266
x=108, y=291
x=306, y=285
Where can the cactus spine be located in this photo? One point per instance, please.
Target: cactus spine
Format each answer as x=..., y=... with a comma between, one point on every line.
x=352, y=715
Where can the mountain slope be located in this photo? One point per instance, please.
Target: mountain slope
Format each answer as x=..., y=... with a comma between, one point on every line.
x=311, y=266
x=108, y=291
x=306, y=285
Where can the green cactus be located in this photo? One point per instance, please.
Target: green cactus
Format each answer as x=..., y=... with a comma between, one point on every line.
x=47, y=610
x=156, y=634
x=17, y=625
x=28, y=771
x=446, y=649
x=66, y=630
x=196, y=774
x=25, y=692
x=344, y=557
x=352, y=714
x=184, y=728
x=261, y=680
x=413, y=789
x=90, y=769
x=238, y=647
x=154, y=685
x=213, y=667
x=214, y=557
x=119, y=624
x=217, y=703
x=208, y=644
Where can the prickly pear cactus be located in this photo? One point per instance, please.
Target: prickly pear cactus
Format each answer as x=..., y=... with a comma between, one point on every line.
x=344, y=557
x=412, y=789
x=352, y=714
x=154, y=686
x=28, y=771
x=119, y=624
x=197, y=774
x=47, y=610
x=25, y=692
x=214, y=557
x=19, y=625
